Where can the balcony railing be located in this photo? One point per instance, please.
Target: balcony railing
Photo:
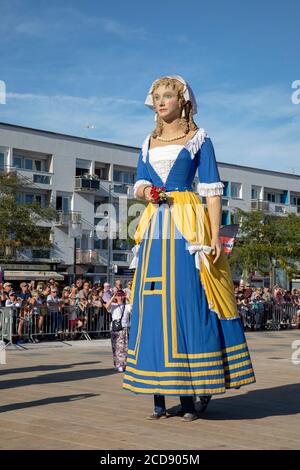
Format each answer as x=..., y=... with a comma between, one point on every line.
x=87, y=183
x=101, y=257
x=276, y=208
x=257, y=205
x=65, y=218
x=91, y=256
x=28, y=254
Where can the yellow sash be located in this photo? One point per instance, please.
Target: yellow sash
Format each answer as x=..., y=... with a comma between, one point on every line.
x=192, y=220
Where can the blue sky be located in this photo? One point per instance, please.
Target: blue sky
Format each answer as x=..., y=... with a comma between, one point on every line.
x=72, y=63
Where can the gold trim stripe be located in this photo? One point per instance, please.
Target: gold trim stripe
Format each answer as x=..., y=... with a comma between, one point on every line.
x=177, y=382
x=239, y=373
x=240, y=382
x=175, y=373
x=149, y=292
x=197, y=391
x=141, y=297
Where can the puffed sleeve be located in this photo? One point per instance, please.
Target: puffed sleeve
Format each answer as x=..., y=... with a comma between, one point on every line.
x=208, y=173
x=143, y=176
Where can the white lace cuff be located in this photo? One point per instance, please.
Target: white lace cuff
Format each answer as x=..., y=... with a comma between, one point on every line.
x=137, y=185
x=210, y=189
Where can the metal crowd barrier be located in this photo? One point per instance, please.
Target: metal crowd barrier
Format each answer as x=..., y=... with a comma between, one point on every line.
x=67, y=323
x=72, y=322
x=6, y=329
x=272, y=317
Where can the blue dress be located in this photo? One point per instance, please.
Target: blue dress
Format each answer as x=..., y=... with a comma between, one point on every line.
x=186, y=336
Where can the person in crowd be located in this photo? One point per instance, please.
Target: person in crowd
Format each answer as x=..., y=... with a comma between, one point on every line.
x=96, y=311
x=128, y=288
x=79, y=283
x=36, y=302
x=245, y=312
x=25, y=292
x=3, y=298
x=13, y=302
x=267, y=296
x=257, y=306
x=84, y=303
x=118, y=285
x=107, y=292
x=53, y=304
x=120, y=311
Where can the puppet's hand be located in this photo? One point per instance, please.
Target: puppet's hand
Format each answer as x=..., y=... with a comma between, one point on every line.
x=216, y=248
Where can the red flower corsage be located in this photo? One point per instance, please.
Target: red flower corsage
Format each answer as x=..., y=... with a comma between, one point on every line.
x=158, y=194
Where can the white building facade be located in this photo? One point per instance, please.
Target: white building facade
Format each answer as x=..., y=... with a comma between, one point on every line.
x=78, y=176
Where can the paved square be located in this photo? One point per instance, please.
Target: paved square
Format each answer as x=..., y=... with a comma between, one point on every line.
x=67, y=396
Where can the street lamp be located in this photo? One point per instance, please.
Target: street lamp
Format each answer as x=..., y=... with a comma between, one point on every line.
x=273, y=272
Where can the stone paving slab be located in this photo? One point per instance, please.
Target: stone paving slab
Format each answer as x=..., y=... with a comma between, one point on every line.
x=67, y=396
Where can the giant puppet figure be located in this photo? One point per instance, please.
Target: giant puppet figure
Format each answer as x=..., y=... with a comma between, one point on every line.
x=186, y=336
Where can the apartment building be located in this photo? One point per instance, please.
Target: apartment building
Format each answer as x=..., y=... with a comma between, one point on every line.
x=79, y=176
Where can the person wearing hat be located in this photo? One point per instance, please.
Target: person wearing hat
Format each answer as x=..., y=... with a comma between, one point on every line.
x=185, y=342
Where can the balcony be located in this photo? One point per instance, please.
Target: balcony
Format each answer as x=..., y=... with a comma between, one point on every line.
x=258, y=205
x=122, y=258
x=91, y=256
x=63, y=218
x=39, y=255
x=275, y=208
x=88, y=183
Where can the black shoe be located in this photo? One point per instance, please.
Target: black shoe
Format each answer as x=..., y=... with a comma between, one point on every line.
x=177, y=412
x=204, y=401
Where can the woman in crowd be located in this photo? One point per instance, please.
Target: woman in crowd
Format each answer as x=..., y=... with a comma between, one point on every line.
x=120, y=315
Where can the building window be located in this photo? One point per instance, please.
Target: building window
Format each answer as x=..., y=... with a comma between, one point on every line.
x=225, y=218
x=226, y=189
x=122, y=176
x=40, y=253
x=102, y=173
x=280, y=198
x=255, y=192
x=29, y=198
x=28, y=164
x=1, y=161
x=236, y=190
x=63, y=203
x=31, y=164
x=38, y=165
x=42, y=179
x=17, y=162
x=295, y=201
x=100, y=244
x=82, y=172
x=271, y=197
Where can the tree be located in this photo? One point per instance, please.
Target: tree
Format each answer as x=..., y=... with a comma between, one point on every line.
x=264, y=239
x=20, y=223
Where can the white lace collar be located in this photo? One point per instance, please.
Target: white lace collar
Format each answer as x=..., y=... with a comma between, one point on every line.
x=193, y=145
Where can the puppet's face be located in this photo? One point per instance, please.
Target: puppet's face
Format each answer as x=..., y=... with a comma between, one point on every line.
x=166, y=103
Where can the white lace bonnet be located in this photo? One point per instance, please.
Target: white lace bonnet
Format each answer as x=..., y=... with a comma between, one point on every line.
x=187, y=93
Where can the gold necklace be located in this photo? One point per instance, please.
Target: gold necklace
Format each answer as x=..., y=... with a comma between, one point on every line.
x=172, y=138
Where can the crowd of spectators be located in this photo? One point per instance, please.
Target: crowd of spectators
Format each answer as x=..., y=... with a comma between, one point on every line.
x=254, y=303
x=55, y=309
x=50, y=308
